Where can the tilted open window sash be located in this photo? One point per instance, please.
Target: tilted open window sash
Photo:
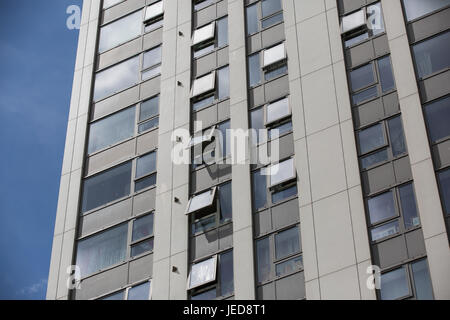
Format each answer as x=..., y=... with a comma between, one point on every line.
x=202, y=273
x=197, y=139
x=273, y=55
x=204, y=33
x=282, y=172
x=201, y=201
x=354, y=21
x=204, y=84
x=154, y=11
x=277, y=111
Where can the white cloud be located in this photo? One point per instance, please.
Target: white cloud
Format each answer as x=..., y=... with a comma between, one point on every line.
x=34, y=288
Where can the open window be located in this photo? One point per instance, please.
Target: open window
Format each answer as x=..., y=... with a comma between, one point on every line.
x=154, y=15
x=354, y=21
x=277, y=111
x=205, y=33
x=274, y=54
x=198, y=139
x=281, y=173
x=201, y=201
x=202, y=273
x=204, y=84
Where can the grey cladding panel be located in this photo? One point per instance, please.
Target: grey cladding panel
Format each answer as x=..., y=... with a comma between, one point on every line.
x=435, y=87
x=441, y=154
x=378, y=179
x=291, y=287
x=390, y=252
x=141, y=269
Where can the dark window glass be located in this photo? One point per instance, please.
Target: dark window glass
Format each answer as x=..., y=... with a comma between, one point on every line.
x=254, y=70
x=225, y=202
x=142, y=227
x=385, y=230
x=102, y=250
x=374, y=159
x=146, y=164
x=270, y=7
x=432, y=55
x=362, y=77
x=381, y=207
x=222, y=32
x=422, y=282
x=371, y=138
x=398, y=145
x=444, y=181
x=259, y=190
x=204, y=224
x=365, y=95
x=409, y=208
x=263, y=259
x=280, y=130
x=106, y=187
x=203, y=103
x=142, y=247
x=154, y=25
x=207, y=295
x=223, y=78
x=257, y=123
x=437, y=115
x=149, y=109
x=145, y=183
x=115, y=296
x=394, y=284
x=226, y=273
x=252, y=19
x=224, y=129
x=111, y=130
x=202, y=4
x=269, y=75
x=287, y=242
x=357, y=39
x=386, y=76
x=140, y=292
x=417, y=8
x=272, y=20
x=284, y=194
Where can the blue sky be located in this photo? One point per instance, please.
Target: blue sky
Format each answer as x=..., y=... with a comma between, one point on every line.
x=37, y=57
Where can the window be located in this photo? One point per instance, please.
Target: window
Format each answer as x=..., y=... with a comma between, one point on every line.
x=278, y=110
x=223, y=83
x=115, y=296
x=371, y=138
x=116, y=78
x=120, y=31
x=274, y=54
x=282, y=172
x=204, y=84
x=394, y=284
x=110, y=3
x=437, y=116
x=205, y=90
x=254, y=70
x=107, y=186
x=418, y=8
x=139, y=292
x=432, y=55
x=259, y=190
x=421, y=278
x=386, y=76
x=207, y=38
x=204, y=33
x=111, y=130
x=154, y=16
x=384, y=209
x=200, y=4
x=149, y=114
x=278, y=254
x=274, y=64
x=142, y=236
x=102, y=250
x=201, y=201
x=444, y=183
x=145, y=171
x=270, y=12
x=362, y=24
x=362, y=77
x=214, y=277
x=152, y=63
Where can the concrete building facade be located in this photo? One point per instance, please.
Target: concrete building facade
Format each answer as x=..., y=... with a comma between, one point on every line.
x=354, y=97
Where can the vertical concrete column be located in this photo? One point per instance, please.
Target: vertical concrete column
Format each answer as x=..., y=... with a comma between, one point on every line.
x=171, y=224
x=427, y=193
x=335, y=243
x=244, y=281
x=70, y=185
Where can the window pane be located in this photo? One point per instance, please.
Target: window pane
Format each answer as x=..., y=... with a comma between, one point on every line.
x=284, y=194
x=353, y=21
x=222, y=32
x=398, y=145
x=150, y=73
x=437, y=115
x=272, y=20
x=140, y=292
x=146, y=164
x=154, y=10
x=362, y=77
x=149, y=108
x=432, y=55
x=207, y=295
x=282, y=172
x=202, y=200
x=115, y=296
x=102, y=250
x=259, y=190
x=204, y=33
x=357, y=39
x=270, y=6
x=385, y=230
x=278, y=131
x=254, y=70
x=371, y=138
x=145, y=183
x=269, y=75
x=422, y=281
x=409, y=208
x=203, y=272
x=204, y=50
x=203, y=84
x=202, y=4
x=153, y=25
x=225, y=202
x=374, y=159
x=444, y=181
x=289, y=266
x=116, y=78
x=287, y=243
x=263, y=259
x=110, y=3
x=152, y=57
x=274, y=54
x=204, y=224
x=252, y=19
x=143, y=227
x=112, y=129
x=149, y=125
x=120, y=31
x=224, y=129
x=417, y=8
x=226, y=273
x=142, y=247
x=278, y=110
x=375, y=19
x=223, y=80
x=386, y=76
x=365, y=95
x=106, y=187
x=381, y=207
x=257, y=123
x=394, y=284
